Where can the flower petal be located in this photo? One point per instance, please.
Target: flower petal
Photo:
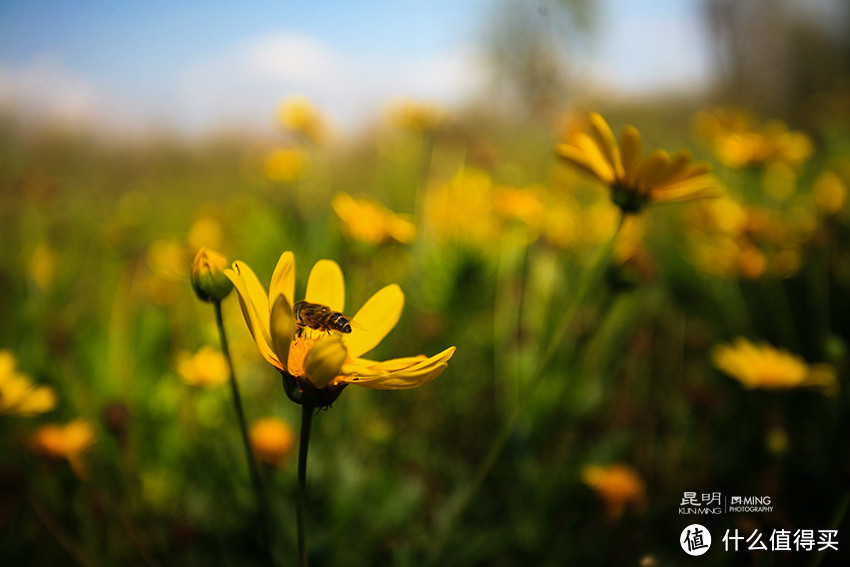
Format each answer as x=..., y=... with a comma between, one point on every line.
x=630, y=150
x=412, y=376
x=326, y=285
x=283, y=279
x=324, y=361
x=374, y=320
x=282, y=329
x=255, y=307
x=607, y=143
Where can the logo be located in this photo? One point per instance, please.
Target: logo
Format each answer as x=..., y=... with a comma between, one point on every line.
x=695, y=539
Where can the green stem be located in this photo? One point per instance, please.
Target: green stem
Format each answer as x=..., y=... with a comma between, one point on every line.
x=303, y=445
x=589, y=279
x=254, y=470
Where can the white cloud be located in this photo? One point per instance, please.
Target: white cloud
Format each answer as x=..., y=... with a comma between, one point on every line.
x=247, y=82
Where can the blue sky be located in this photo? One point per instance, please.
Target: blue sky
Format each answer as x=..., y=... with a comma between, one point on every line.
x=199, y=65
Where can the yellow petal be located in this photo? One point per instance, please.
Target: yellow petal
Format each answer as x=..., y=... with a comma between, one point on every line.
x=606, y=142
x=652, y=168
x=374, y=320
x=326, y=285
x=282, y=328
x=413, y=376
x=631, y=148
x=283, y=279
x=595, y=158
x=324, y=361
x=576, y=157
x=255, y=307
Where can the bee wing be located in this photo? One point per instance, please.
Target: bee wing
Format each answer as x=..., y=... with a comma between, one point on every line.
x=357, y=325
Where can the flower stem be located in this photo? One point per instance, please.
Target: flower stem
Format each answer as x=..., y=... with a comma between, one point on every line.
x=254, y=470
x=589, y=280
x=303, y=445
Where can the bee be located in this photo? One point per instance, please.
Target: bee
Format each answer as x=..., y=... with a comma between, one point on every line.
x=319, y=317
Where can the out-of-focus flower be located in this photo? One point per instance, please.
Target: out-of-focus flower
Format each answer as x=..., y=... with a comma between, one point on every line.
x=618, y=485
x=18, y=395
x=67, y=441
x=830, y=193
x=205, y=232
x=299, y=114
x=272, y=440
x=416, y=116
x=287, y=165
x=742, y=143
x=41, y=265
x=460, y=209
x=207, y=367
x=636, y=181
x=764, y=366
x=317, y=364
x=208, y=279
x=729, y=239
x=371, y=222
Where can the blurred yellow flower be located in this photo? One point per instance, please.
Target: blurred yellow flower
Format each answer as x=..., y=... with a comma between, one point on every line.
x=618, y=485
x=18, y=395
x=636, y=181
x=830, y=193
x=41, y=265
x=371, y=222
x=417, y=116
x=299, y=114
x=460, y=209
x=317, y=365
x=764, y=366
x=67, y=441
x=286, y=165
x=207, y=367
x=729, y=239
x=740, y=142
x=205, y=232
x=272, y=440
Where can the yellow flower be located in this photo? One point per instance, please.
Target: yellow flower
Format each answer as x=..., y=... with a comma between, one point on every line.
x=635, y=181
x=830, y=193
x=18, y=395
x=416, y=116
x=41, y=265
x=207, y=367
x=272, y=440
x=297, y=113
x=68, y=441
x=764, y=366
x=371, y=222
x=205, y=232
x=317, y=365
x=286, y=165
x=208, y=279
x=618, y=485
x=772, y=143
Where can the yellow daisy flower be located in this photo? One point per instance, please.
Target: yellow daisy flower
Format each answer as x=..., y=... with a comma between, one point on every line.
x=617, y=485
x=18, y=395
x=317, y=365
x=67, y=441
x=207, y=367
x=272, y=440
x=764, y=366
x=636, y=181
x=371, y=222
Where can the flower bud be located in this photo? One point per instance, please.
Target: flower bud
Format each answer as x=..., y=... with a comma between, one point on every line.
x=208, y=279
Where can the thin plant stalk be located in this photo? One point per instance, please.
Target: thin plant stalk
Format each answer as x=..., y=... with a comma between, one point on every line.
x=303, y=446
x=588, y=280
x=254, y=470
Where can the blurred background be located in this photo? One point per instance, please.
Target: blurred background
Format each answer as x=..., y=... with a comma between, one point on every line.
x=414, y=143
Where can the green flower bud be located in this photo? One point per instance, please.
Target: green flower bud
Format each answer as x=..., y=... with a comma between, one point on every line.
x=208, y=279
